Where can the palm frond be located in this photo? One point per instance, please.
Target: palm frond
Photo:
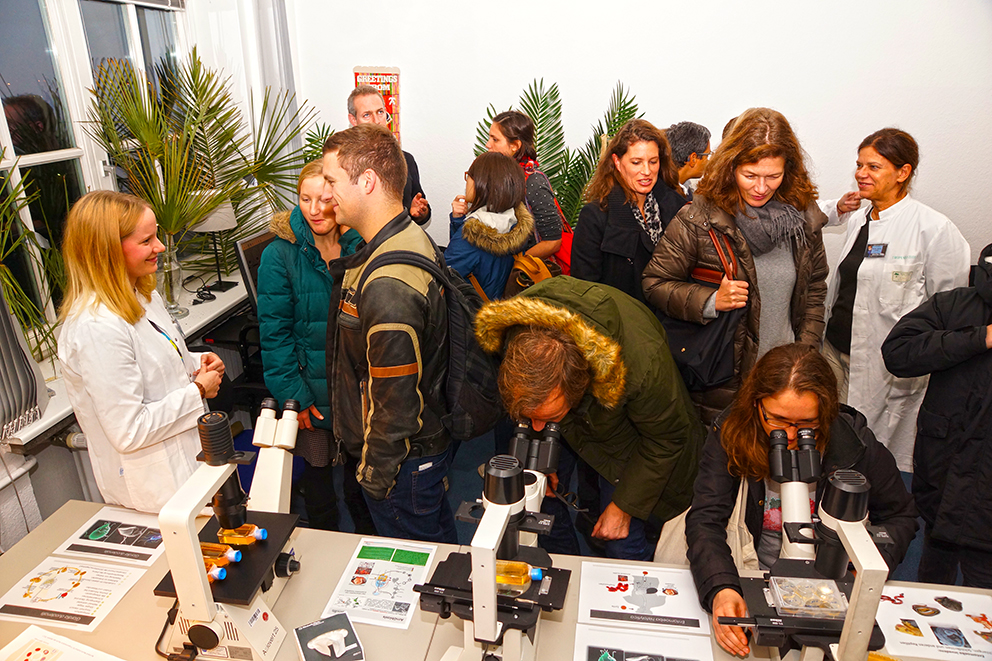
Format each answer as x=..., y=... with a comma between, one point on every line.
x=482, y=130
x=543, y=106
x=316, y=136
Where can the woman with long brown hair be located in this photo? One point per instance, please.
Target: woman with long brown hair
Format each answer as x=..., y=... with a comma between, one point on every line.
x=756, y=197
x=791, y=387
x=512, y=134
x=630, y=200
x=135, y=388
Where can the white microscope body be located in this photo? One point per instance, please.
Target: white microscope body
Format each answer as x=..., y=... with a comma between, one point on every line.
x=223, y=630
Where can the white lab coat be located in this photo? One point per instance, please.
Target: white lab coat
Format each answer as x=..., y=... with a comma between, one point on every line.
x=135, y=401
x=925, y=254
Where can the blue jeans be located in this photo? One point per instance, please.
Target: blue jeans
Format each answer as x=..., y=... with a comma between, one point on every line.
x=635, y=545
x=417, y=506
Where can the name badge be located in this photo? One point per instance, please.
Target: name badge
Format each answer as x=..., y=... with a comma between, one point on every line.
x=876, y=250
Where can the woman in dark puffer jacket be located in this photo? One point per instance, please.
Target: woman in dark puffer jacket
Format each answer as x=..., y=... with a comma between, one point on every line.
x=791, y=387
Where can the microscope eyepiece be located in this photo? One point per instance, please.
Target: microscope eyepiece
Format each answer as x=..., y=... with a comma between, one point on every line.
x=806, y=438
x=778, y=437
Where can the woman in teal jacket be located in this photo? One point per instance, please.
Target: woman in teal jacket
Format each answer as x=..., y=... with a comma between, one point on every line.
x=294, y=293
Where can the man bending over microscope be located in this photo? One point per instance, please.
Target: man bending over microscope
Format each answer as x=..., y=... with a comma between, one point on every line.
x=596, y=361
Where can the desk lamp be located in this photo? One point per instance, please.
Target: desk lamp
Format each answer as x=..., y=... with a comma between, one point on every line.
x=220, y=219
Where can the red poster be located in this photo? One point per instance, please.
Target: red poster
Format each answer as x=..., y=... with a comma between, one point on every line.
x=387, y=81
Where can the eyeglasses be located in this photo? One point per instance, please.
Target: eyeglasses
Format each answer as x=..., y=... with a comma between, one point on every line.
x=466, y=175
x=705, y=154
x=778, y=423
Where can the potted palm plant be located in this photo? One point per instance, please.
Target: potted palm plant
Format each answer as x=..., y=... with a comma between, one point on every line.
x=186, y=149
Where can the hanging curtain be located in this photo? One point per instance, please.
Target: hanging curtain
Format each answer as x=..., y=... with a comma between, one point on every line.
x=23, y=394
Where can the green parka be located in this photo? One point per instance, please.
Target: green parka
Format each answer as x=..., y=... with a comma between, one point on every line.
x=636, y=425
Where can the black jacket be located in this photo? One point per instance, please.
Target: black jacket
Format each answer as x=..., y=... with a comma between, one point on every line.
x=610, y=247
x=852, y=445
x=952, y=460
x=387, y=358
x=413, y=187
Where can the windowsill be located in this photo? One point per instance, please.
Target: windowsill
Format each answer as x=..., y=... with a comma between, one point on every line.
x=58, y=414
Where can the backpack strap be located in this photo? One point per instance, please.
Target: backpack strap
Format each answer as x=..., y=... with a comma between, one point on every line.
x=478, y=287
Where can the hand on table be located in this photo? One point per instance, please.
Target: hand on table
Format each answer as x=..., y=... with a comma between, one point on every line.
x=613, y=523
x=729, y=603
x=418, y=206
x=303, y=418
x=731, y=295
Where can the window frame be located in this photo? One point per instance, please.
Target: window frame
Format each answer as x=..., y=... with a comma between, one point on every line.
x=71, y=59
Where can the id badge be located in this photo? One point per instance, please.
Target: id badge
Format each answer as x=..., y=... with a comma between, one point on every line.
x=876, y=250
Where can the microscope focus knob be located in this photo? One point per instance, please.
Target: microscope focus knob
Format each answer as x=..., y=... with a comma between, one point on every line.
x=206, y=635
x=286, y=565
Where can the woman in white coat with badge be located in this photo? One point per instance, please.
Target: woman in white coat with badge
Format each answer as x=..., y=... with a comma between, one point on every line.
x=898, y=252
x=134, y=387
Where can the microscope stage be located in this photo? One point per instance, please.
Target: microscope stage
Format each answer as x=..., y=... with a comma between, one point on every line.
x=244, y=578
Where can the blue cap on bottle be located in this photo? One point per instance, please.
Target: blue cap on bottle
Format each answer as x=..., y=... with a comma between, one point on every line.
x=536, y=573
x=261, y=533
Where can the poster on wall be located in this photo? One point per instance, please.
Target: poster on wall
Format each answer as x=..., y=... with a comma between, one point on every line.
x=387, y=81
x=116, y=534
x=641, y=596
x=936, y=623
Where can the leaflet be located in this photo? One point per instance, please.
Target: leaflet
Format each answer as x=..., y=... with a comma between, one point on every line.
x=600, y=643
x=936, y=622
x=117, y=534
x=61, y=592
x=641, y=596
x=377, y=586
x=34, y=643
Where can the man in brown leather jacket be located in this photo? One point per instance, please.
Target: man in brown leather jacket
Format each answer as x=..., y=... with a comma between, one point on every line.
x=387, y=353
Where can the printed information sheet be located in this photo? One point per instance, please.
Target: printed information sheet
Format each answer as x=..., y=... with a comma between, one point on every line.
x=117, y=534
x=600, y=643
x=61, y=592
x=377, y=586
x=936, y=623
x=642, y=597
x=35, y=643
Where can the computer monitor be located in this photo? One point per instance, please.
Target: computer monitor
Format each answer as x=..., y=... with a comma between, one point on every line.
x=249, y=253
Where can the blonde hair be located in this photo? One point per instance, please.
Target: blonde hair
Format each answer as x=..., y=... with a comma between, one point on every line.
x=94, y=259
x=309, y=171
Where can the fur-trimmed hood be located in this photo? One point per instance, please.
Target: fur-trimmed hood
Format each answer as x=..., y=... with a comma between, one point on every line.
x=603, y=354
x=280, y=226
x=481, y=230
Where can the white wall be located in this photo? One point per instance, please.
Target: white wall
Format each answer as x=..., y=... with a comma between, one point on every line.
x=838, y=70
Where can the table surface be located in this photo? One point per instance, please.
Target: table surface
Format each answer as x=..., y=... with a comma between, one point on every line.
x=323, y=556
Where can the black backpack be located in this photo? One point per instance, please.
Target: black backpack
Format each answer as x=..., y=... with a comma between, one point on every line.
x=472, y=391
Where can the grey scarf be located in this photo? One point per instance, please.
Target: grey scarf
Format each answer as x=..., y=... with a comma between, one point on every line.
x=767, y=226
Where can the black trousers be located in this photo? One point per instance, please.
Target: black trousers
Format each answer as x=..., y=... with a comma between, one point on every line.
x=940, y=561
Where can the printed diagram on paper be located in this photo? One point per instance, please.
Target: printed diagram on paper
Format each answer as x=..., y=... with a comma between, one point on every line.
x=66, y=593
x=116, y=534
x=377, y=586
x=938, y=623
x=638, y=596
x=600, y=643
x=35, y=643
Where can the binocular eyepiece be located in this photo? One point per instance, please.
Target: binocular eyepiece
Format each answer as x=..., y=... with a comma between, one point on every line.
x=800, y=465
x=537, y=451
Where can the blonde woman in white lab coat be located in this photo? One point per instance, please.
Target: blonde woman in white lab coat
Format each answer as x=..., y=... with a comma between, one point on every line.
x=898, y=253
x=135, y=388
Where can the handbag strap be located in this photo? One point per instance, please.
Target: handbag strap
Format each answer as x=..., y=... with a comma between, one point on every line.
x=478, y=287
x=729, y=261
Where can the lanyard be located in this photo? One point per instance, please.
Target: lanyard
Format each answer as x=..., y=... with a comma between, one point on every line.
x=171, y=341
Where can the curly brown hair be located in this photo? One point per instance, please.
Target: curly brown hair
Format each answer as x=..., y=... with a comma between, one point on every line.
x=797, y=367
x=758, y=133
x=538, y=361
x=605, y=177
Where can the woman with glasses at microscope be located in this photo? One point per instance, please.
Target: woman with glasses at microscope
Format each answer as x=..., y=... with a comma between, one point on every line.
x=791, y=387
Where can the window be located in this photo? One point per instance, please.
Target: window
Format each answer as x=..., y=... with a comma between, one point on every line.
x=44, y=78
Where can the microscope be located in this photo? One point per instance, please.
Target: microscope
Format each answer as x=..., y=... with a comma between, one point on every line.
x=799, y=604
x=232, y=618
x=499, y=624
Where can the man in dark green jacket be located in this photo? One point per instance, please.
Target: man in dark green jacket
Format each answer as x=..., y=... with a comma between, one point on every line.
x=597, y=361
